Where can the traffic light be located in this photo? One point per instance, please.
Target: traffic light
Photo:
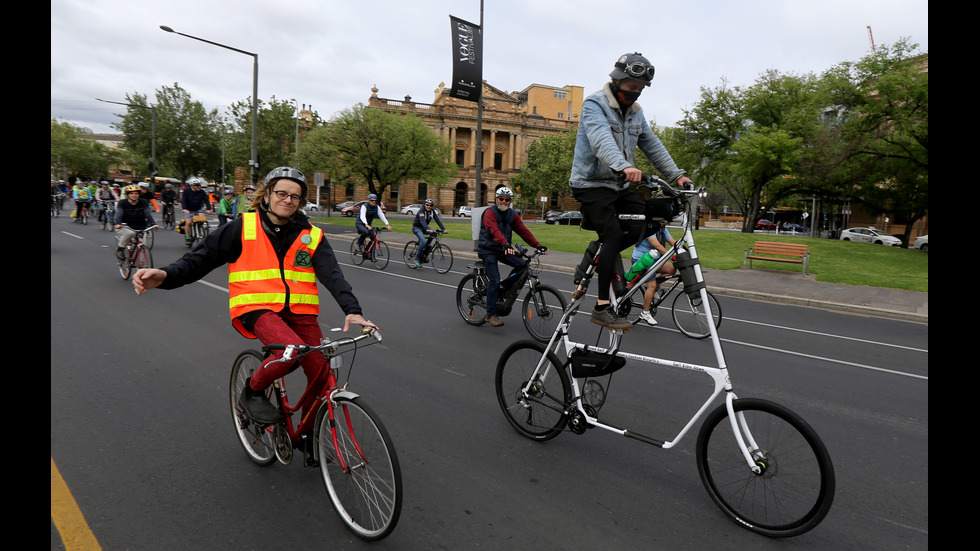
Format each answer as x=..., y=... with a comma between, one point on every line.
x=221, y=175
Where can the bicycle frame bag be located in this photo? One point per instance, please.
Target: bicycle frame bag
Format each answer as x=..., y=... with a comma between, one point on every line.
x=586, y=363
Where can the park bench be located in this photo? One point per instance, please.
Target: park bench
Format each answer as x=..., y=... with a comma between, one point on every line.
x=776, y=251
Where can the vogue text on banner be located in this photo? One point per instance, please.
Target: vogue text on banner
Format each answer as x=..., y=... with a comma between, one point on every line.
x=467, y=60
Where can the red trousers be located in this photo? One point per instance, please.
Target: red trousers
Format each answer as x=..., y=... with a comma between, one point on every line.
x=287, y=328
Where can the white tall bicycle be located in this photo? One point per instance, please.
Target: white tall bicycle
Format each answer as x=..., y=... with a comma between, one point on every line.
x=762, y=464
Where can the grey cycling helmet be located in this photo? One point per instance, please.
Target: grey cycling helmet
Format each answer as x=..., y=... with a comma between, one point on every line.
x=286, y=172
x=633, y=66
x=504, y=191
x=430, y=202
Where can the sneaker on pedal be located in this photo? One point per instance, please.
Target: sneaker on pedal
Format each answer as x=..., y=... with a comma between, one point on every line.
x=256, y=405
x=648, y=317
x=606, y=318
x=120, y=254
x=494, y=321
x=416, y=264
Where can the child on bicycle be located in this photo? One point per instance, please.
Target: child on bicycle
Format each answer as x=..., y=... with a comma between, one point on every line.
x=275, y=258
x=654, y=246
x=420, y=227
x=612, y=127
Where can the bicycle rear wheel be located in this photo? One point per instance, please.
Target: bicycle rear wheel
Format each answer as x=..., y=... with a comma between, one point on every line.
x=542, y=312
x=441, y=258
x=471, y=299
x=795, y=488
x=379, y=255
x=356, y=255
x=690, y=317
x=360, y=468
x=408, y=254
x=258, y=441
x=538, y=413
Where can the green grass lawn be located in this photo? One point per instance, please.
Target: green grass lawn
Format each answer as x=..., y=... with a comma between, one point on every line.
x=831, y=260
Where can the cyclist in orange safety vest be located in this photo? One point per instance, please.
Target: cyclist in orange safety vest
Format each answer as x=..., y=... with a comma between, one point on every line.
x=275, y=257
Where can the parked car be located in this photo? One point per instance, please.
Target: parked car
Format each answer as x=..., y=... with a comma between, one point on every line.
x=921, y=243
x=339, y=207
x=465, y=211
x=765, y=225
x=870, y=235
x=311, y=206
x=552, y=212
x=353, y=210
x=571, y=218
x=793, y=227
x=412, y=210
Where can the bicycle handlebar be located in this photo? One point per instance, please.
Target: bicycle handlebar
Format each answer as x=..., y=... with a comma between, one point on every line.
x=153, y=227
x=330, y=347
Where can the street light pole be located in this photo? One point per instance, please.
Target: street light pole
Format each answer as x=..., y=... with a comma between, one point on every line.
x=254, y=161
x=153, y=136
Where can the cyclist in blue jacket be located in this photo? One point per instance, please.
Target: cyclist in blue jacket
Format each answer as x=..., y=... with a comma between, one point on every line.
x=421, y=229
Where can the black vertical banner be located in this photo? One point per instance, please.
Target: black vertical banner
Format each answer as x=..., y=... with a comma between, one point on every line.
x=467, y=60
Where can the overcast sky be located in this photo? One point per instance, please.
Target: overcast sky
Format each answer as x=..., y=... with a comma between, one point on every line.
x=329, y=53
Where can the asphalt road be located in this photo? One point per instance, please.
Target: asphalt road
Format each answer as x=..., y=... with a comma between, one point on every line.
x=142, y=435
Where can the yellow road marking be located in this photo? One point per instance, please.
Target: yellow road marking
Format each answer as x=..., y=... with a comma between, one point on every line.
x=67, y=517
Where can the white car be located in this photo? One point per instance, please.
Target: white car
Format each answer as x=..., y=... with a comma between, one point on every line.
x=921, y=243
x=870, y=235
x=412, y=210
x=465, y=211
x=311, y=206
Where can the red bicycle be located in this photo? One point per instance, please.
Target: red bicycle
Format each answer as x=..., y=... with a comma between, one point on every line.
x=345, y=439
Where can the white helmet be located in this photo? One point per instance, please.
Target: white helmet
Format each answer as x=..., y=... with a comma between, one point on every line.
x=504, y=191
x=196, y=181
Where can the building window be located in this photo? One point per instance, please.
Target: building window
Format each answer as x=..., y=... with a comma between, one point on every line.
x=459, y=157
x=393, y=192
x=498, y=161
x=560, y=94
x=561, y=115
x=423, y=191
x=349, y=189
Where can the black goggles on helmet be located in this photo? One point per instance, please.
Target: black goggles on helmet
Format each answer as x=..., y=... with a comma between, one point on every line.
x=637, y=69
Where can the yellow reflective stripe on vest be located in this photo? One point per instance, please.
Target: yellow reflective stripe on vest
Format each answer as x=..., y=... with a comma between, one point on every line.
x=306, y=277
x=315, y=234
x=250, y=225
x=272, y=298
x=254, y=275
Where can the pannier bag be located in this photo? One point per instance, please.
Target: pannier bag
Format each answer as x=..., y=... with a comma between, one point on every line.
x=199, y=218
x=586, y=363
x=666, y=208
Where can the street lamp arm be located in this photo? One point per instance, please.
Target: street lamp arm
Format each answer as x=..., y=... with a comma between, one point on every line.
x=169, y=30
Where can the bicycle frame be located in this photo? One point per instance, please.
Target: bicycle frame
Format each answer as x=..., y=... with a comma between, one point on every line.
x=719, y=374
x=531, y=283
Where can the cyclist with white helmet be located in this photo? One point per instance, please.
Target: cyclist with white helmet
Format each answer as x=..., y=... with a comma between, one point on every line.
x=495, y=245
x=369, y=211
x=136, y=213
x=275, y=258
x=194, y=201
x=612, y=126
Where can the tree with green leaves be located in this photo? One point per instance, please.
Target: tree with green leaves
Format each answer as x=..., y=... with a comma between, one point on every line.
x=73, y=155
x=377, y=147
x=549, y=162
x=883, y=129
x=278, y=131
x=187, y=135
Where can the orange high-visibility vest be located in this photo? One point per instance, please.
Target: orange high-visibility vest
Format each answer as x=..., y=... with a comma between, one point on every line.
x=257, y=282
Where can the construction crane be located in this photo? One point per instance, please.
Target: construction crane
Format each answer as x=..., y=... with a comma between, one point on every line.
x=871, y=38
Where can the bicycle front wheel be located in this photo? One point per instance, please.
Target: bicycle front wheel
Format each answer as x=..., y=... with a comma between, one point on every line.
x=542, y=311
x=471, y=299
x=258, y=441
x=795, y=487
x=143, y=257
x=441, y=258
x=125, y=268
x=536, y=411
x=148, y=239
x=379, y=255
x=360, y=469
x=356, y=255
x=408, y=255
x=690, y=316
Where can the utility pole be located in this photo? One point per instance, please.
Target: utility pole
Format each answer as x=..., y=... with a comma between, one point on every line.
x=871, y=38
